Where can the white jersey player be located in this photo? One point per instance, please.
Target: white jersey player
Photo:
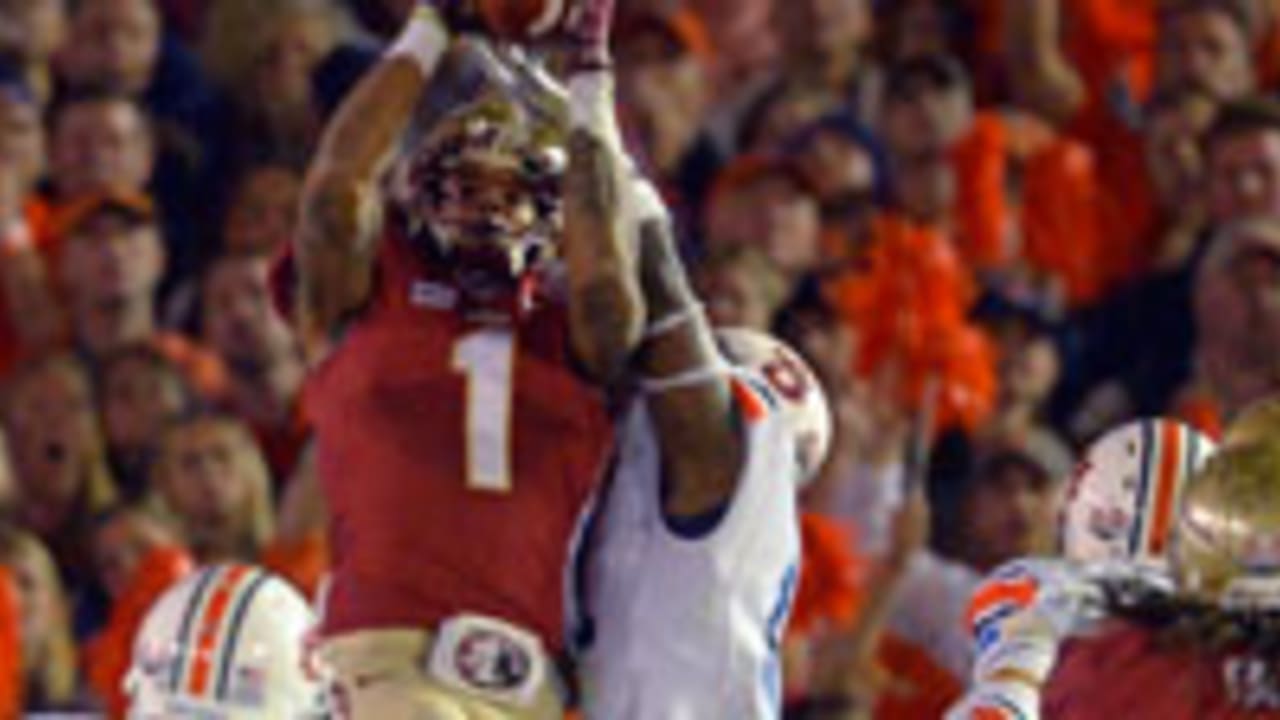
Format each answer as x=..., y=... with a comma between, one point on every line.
x=692, y=556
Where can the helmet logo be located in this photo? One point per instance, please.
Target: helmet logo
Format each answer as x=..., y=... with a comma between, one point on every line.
x=786, y=377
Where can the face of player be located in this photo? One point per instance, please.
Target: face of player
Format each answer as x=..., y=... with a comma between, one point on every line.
x=1205, y=50
x=138, y=398
x=205, y=481
x=1175, y=161
x=262, y=217
x=1244, y=175
x=114, y=44
x=1009, y=514
x=484, y=207
x=22, y=145
x=98, y=146
x=53, y=431
x=112, y=260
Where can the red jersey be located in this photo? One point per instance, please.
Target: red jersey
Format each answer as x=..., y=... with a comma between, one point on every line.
x=1129, y=672
x=455, y=458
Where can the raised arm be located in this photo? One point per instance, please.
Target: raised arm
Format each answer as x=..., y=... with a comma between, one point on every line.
x=632, y=305
x=701, y=435
x=341, y=205
x=606, y=310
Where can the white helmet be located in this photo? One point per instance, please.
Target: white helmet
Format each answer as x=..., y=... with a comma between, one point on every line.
x=1123, y=498
x=802, y=402
x=225, y=643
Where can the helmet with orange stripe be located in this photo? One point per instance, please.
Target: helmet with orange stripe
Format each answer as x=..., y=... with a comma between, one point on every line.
x=225, y=644
x=801, y=401
x=1123, y=498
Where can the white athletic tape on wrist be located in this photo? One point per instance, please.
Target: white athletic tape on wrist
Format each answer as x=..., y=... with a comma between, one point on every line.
x=673, y=321
x=687, y=379
x=423, y=41
x=591, y=106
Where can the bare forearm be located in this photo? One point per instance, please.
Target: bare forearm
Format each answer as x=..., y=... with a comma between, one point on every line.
x=695, y=424
x=341, y=207
x=606, y=308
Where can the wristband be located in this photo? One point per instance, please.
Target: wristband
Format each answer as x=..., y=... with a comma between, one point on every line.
x=423, y=41
x=591, y=107
x=674, y=321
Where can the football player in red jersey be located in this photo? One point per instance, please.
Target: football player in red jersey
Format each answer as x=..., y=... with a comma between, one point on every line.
x=459, y=428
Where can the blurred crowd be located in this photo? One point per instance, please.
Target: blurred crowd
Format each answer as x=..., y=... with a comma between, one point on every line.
x=995, y=227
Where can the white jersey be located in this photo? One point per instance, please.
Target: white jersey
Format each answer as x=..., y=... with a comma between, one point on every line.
x=688, y=628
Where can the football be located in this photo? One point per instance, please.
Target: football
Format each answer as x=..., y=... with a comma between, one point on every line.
x=523, y=19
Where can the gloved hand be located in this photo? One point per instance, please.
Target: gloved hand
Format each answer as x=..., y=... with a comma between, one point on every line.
x=588, y=28
x=1023, y=611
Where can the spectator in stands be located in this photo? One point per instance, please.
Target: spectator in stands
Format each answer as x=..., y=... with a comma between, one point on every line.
x=31, y=32
x=263, y=357
x=1174, y=128
x=825, y=43
x=991, y=503
x=100, y=141
x=110, y=269
x=137, y=558
x=1029, y=365
x=285, y=64
x=1244, y=160
x=1205, y=46
x=123, y=538
x=1237, y=315
x=767, y=203
x=120, y=47
x=663, y=60
x=141, y=391
x=48, y=649
x=741, y=288
x=29, y=319
x=844, y=163
x=211, y=478
x=263, y=211
x=59, y=458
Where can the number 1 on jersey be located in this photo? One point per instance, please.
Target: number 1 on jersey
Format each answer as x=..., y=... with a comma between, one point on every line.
x=486, y=358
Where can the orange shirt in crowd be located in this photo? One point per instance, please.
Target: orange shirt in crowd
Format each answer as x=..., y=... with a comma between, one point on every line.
x=106, y=657
x=1053, y=227
x=303, y=561
x=11, y=678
